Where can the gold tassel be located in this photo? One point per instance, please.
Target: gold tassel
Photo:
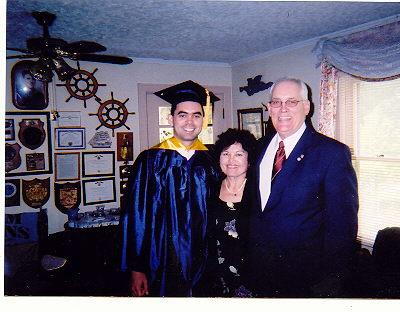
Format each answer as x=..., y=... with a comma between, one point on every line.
x=207, y=110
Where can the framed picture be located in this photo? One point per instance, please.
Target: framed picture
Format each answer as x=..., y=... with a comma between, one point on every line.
x=69, y=119
x=95, y=164
x=35, y=161
x=166, y=133
x=28, y=93
x=67, y=166
x=31, y=151
x=124, y=146
x=96, y=191
x=251, y=119
x=206, y=136
x=163, y=113
x=70, y=138
x=9, y=130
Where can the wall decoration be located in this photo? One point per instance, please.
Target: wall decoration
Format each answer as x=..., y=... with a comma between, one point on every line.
x=31, y=133
x=96, y=164
x=12, y=156
x=67, y=198
x=112, y=114
x=27, y=92
x=251, y=119
x=124, y=146
x=68, y=119
x=255, y=85
x=206, y=136
x=125, y=171
x=36, y=192
x=101, y=139
x=9, y=130
x=35, y=161
x=67, y=166
x=82, y=85
x=70, y=138
x=163, y=113
x=98, y=191
x=12, y=192
x=166, y=133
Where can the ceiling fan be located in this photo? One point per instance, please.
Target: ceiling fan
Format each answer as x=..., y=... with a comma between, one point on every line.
x=52, y=51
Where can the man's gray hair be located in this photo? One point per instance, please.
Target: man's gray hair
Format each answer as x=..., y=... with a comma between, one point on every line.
x=300, y=83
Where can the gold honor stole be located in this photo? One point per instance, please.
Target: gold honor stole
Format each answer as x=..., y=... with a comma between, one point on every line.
x=174, y=144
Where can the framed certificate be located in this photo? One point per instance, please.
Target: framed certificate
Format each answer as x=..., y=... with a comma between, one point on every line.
x=96, y=191
x=95, y=164
x=70, y=138
x=69, y=119
x=67, y=166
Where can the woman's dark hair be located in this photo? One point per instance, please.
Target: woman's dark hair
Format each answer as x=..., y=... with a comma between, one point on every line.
x=232, y=136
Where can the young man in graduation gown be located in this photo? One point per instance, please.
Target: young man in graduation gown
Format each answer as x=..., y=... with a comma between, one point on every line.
x=164, y=228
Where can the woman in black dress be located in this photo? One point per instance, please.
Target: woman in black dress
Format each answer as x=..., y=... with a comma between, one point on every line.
x=235, y=151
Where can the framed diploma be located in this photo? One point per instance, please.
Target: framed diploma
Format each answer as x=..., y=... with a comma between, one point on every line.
x=96, y=191
x=69, y=119
x=67, y=166
x=70, y=138
x=95, y=164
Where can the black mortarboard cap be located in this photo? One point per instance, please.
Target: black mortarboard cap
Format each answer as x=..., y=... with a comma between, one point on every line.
x=186, y=91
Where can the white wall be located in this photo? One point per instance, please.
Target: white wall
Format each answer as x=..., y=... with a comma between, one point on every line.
x=122, y=81
x=294, y=61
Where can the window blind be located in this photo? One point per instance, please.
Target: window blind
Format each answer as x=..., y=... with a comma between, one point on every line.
x=368, y=116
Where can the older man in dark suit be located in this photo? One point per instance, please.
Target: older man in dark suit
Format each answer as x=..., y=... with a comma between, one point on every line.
x=304, y=204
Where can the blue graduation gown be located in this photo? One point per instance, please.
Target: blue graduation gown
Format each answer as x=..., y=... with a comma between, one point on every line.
x=164, y=228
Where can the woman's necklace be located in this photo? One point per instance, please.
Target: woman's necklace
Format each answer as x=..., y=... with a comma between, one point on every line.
x=240, y=188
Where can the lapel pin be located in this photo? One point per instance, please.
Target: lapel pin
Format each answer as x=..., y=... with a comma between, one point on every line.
x=300, y=158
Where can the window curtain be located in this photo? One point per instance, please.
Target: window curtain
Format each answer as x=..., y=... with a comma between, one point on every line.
x=370, y=54
x=328, y=99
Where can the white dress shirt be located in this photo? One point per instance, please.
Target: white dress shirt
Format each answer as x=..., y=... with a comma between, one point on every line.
x=268, y=161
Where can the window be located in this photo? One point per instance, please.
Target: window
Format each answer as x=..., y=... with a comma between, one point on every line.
x=368, y=122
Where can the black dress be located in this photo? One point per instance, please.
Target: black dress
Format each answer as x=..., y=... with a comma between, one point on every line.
x=228, y=249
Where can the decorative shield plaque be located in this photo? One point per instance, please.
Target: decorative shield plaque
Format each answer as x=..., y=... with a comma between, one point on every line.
x=31, y=133
x=36, y=192
x=12, y=156
x=68, y=198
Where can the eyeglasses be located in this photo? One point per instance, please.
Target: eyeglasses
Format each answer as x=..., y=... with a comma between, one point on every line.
x=288, y=103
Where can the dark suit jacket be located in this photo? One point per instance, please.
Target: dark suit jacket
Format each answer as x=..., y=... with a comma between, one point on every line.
x=308, y=228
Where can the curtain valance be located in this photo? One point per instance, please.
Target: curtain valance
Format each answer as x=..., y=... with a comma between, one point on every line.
x=372, y=53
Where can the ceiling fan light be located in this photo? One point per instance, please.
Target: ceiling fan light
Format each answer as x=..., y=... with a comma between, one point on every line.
x=41, y=70
x=63, y=70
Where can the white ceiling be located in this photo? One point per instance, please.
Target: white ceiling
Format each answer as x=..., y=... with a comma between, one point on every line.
x=210, y=31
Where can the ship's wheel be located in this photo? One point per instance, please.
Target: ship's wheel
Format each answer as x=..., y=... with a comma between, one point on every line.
x=82, y=85
x=112, y=114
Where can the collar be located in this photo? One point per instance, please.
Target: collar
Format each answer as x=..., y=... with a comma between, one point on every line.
x=176, y=145
x=291, y=141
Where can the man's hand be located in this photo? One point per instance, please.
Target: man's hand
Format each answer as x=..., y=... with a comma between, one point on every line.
x=139, y=287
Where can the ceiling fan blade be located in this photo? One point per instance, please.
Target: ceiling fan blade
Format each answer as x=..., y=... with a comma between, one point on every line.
x=84, y=47
x=22, y=56
x=42, y=44
x=18, y=49
x=101, y=58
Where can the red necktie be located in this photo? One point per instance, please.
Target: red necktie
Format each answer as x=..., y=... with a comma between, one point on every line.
x=280, y=158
